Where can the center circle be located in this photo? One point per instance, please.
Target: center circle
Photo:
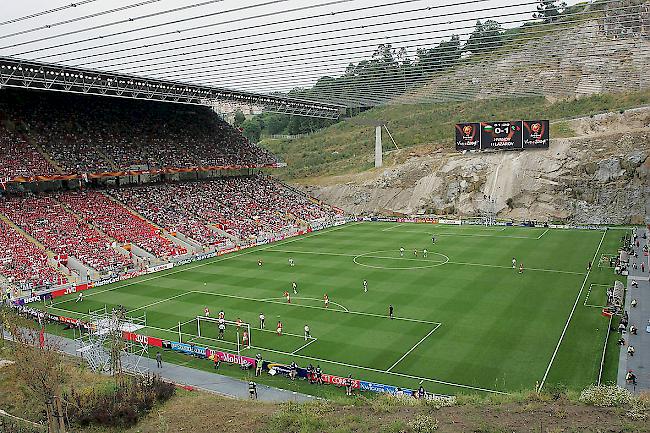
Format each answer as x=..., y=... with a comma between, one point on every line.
x=398, y=262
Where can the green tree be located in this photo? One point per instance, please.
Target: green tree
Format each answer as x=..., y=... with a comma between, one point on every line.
x=485, y=37
x=440, y=57
x=239, y=119
x=549, y=10
x=252, y=129
x=275, y=123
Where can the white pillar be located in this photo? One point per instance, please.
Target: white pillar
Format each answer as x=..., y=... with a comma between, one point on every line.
x=378, y=149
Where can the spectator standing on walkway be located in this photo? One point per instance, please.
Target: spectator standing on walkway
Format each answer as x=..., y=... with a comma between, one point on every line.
x=348, y=385
x=158, y=360
x=258, y=365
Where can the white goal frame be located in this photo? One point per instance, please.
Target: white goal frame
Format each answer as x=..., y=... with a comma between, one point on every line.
x=243, y=326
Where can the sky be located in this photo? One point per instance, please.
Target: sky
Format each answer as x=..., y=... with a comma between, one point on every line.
x=261, y=46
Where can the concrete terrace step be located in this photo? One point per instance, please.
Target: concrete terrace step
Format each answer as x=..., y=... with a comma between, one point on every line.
x=45, y=155
x=39, y=245
x=180, y=242
x=26, y=235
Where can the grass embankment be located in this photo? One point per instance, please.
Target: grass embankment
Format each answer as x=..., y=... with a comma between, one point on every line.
x=348, y=148
x=550, y=411
x=196, y=411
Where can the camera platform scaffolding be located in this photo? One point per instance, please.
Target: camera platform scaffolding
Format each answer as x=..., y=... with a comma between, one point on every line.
x=104, y=347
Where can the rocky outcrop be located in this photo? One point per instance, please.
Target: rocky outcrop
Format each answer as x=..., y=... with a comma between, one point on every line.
x=602, y=176
x=588, y=58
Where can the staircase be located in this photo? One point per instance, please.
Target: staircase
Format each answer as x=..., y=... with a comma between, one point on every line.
x=235, y=240
x=44, y=154
x=106, y=158
x=39, y=245
x=26, y=235
x=179, y=242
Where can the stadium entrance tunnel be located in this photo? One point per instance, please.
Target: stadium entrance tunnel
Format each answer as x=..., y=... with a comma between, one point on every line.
x=393, y=260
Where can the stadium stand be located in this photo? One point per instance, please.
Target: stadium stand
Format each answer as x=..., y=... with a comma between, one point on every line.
x=51, y=224
x=22, y=261
x=118, y=135
x=18, y=157
x=117, y=222
x=245, y=207
x=54, y=134
x=171, y=207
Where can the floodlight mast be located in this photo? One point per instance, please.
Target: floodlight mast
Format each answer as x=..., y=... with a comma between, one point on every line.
x=378, y=124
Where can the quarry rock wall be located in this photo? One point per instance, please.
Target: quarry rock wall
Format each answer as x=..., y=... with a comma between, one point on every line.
x=600, y=176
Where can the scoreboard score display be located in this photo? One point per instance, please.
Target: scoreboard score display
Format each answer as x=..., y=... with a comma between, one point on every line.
x=501, y=135
x=507, y=135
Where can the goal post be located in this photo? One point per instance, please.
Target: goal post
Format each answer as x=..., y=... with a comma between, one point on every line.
x=203, y=324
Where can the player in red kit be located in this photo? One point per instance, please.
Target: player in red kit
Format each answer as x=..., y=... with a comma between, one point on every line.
x=279, y=328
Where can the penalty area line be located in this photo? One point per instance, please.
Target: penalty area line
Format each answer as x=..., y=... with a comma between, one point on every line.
x=358, y=313
x=376, y=370
x=303, y=346
x=343, y=308
x=412, y=348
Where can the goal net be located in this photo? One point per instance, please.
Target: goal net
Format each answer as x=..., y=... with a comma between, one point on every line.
x=232, y=331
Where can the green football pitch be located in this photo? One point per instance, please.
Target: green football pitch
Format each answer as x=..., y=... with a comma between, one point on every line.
x=465, y=320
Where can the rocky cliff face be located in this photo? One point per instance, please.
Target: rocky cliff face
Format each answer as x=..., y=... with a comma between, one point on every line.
x=597, y=56
x=601, y=176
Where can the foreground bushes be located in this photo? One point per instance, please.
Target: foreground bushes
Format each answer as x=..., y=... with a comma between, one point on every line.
x=606, y=396
x=120, y=406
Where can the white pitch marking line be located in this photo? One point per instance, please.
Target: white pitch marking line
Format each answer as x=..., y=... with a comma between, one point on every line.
x=568, y=320
x=175, y=328
x=392, y=227
x=540, y=236
x=48, y=307
x=307, y=299
x=472, y=235
x=359, y=367
x=159, y=302
x=591, y=286
x=359, y=313
x=376, y=370
x=426, y=379
x=557, y=271
x=412, y=348
x=423, y=260
x=303, y=346
x=196, y=338
x=217, y=260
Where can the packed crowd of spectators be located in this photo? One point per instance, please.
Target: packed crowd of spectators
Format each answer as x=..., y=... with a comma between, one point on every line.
x=51, y=224
x=82, y=224
x=245, y=207
x=88, y=134
x=17, y=156
x=23, y=262
x=172, y=206
x=120, y=224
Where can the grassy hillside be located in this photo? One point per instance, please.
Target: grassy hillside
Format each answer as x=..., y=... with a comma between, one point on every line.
x=348, y=148
x=191, y=411
x=194, y=411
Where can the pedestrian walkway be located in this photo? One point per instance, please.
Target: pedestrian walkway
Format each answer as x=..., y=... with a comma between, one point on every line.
x=639, y=316
x=199, y=379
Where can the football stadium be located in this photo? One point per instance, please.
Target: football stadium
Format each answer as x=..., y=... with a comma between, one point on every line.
x=371, y=215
